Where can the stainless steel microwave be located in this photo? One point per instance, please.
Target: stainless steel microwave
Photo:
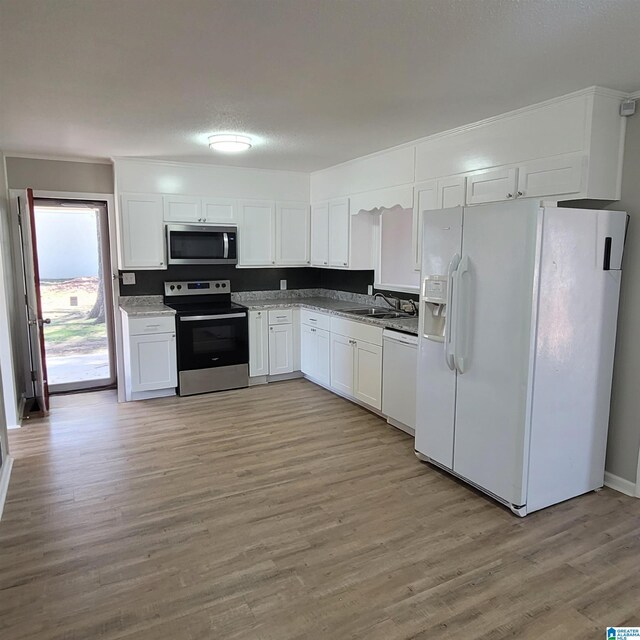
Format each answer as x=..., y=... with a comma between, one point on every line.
x=201, y=244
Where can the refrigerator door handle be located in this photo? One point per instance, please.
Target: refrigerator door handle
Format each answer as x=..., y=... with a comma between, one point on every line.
x=461, y=323
x=449, y=329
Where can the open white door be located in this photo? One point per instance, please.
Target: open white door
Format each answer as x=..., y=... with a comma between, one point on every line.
x=33, y=302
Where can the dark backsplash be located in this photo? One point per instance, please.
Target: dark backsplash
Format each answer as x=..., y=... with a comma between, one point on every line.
x=151, y=282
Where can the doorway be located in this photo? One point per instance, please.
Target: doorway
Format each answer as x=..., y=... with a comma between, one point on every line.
x=75, y=291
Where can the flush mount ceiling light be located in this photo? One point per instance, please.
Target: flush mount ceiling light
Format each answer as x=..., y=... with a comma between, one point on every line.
x=229, y=143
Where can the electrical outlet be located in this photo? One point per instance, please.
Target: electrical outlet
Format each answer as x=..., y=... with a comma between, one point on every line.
x=370, y=289
x=128, y=278
x=283, y=284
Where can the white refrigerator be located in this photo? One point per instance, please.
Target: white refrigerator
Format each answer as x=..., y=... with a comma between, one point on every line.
x=518, y=314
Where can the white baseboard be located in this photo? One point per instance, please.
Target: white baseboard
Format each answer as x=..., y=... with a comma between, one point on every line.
x=620, y=484
x=5, y=474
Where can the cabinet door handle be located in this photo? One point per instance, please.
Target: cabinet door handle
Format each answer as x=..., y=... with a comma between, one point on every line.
x=324, y=263
x=509, y=195
x=520, y=194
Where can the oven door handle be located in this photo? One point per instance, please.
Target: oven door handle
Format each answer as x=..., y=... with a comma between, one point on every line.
x=225, y=240
x=219, y=316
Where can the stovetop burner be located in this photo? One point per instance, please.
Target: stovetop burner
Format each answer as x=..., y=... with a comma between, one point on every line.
x=197, y=297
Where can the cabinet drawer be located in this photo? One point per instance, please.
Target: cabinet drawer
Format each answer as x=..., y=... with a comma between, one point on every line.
x=357, y=330
x=281, y=316
x=159, y=324
x=315, y=319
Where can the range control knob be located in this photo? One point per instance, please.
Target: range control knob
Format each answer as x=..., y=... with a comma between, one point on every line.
x=217, y=285
x=172, y=287
x=179, y=287
x=224, y=284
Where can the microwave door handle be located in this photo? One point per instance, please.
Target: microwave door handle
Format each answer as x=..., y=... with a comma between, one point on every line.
x=225, y=240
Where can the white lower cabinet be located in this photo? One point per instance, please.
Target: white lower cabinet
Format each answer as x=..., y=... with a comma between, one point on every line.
x=342, y=364
x=150, y=357
x=274, y=342
x=368, y=374
x=258, y=343
x=356, y=361
x=280, y=349
x=315, y=353
x=153, y=362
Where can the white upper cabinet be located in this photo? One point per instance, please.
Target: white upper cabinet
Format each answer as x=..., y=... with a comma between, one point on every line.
x=558, y=176
x=339, y=230
x=273, y=234
x=256, y=237
x=584, y=129
x=492, y=185
x=292, y=234
x=320, y=234
x=219, y=210
x=425, y=199
x=182, y=209
x=345, y=241
x=451, y=192
x=141, y=234
x=199, y=210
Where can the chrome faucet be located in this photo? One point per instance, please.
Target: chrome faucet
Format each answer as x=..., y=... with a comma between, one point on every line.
x=397, y=303
x=388, y=299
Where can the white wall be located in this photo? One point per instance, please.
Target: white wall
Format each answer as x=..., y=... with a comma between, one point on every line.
x=59, y=175
x=624, y=429
x=623, y=448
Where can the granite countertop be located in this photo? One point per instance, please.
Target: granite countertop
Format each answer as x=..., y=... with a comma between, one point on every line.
x=336, y=308
x=145, y=306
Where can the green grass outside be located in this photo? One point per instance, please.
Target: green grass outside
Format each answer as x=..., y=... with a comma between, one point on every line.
x=74, y=328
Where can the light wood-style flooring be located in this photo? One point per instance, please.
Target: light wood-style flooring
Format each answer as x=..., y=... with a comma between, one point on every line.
x=285, y=512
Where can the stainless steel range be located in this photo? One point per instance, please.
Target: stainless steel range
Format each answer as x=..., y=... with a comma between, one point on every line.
x=213, y=336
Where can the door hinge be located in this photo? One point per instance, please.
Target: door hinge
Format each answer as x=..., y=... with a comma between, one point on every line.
x=33, y=376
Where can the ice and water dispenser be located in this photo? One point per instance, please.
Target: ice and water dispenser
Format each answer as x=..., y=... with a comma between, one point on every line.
x=434, y=307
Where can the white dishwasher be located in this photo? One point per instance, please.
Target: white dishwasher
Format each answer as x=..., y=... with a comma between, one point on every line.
x=399, y=365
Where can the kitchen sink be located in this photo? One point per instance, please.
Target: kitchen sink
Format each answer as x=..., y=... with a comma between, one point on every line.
x=377, y=312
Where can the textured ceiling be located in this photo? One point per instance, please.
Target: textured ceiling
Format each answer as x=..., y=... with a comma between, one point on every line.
x=316, y=82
